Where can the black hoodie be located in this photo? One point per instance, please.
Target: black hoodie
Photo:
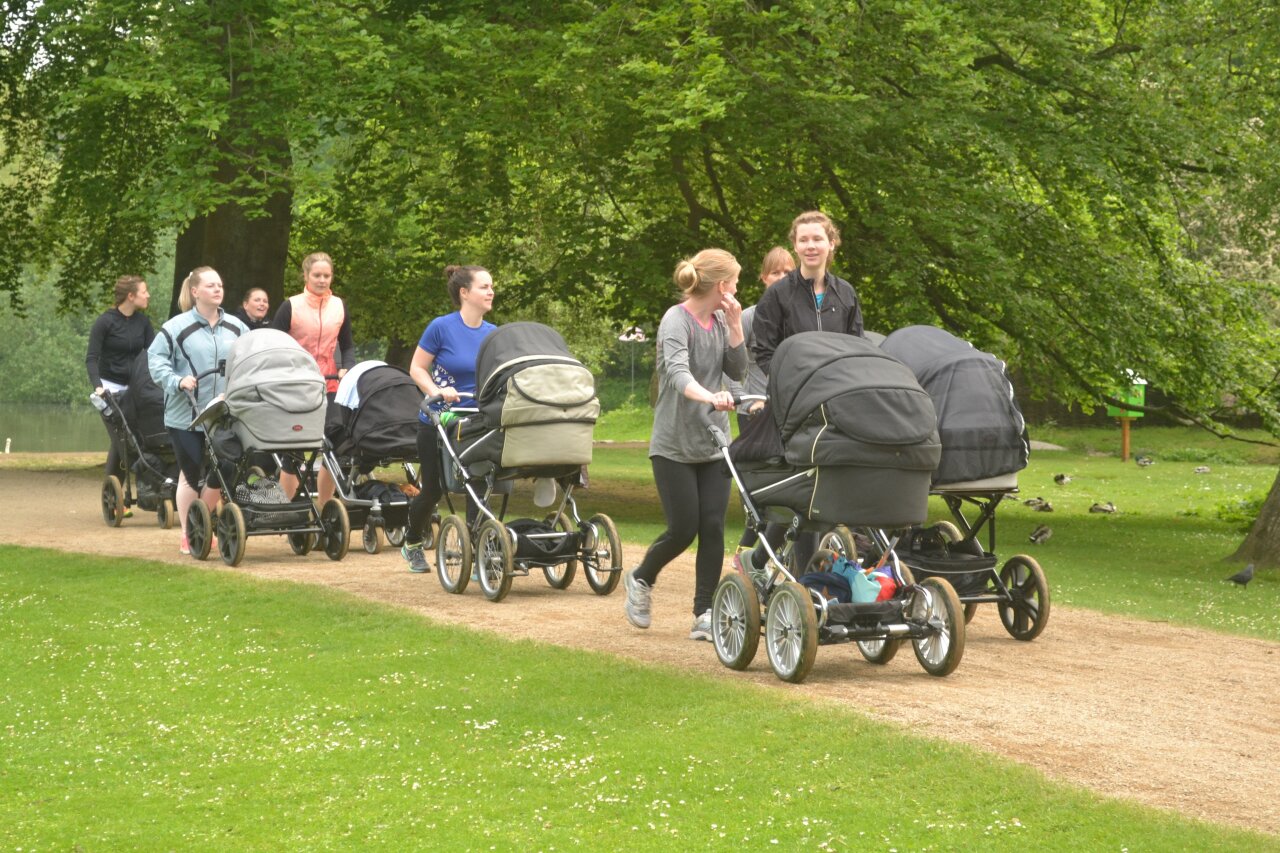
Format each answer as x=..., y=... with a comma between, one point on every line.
x=789, y=307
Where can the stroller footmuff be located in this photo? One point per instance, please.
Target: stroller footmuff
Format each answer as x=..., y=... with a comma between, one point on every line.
x=984, y=445
x=859, y=443
x=274, y=403
x=535, y=412
x=149, y=475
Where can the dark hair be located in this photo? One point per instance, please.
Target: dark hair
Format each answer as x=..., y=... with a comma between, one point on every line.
x=817, y=217
x=126, y=285
x=459, y=278
x=250, y=292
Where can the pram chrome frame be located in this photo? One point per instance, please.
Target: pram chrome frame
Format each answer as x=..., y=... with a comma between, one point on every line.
x=597, y=546
x=797, y=619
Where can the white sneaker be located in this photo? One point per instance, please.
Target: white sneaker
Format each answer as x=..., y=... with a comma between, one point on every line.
x=637, y=604
x=701, y=627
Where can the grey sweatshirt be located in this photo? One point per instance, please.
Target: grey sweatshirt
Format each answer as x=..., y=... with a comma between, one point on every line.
x=689, y=353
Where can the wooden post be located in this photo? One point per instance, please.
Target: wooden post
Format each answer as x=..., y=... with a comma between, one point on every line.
x=1124, y=439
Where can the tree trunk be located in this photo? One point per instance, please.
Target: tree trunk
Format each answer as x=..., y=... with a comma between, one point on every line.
x=1262, y=546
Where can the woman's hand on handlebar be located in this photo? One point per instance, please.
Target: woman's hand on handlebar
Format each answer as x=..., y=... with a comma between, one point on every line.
x=721, y=401
x=449, y=395
x=188, y=383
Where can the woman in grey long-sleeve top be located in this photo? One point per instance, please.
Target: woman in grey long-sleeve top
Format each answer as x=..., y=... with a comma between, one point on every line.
x=699, y=341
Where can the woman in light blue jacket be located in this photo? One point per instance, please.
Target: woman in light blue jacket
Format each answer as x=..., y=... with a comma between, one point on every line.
x=189, y=344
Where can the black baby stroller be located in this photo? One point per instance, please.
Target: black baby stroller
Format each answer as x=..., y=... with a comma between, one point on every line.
x=374, y=424
x=135, y=422
x=858, y=442
x=984, y=446
x=275, y=403
x=536, y=411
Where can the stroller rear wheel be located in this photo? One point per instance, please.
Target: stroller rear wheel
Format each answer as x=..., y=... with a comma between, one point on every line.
x=231, y=538
x=302, y=543
x=395, y=536
x=879, y=651
x=603, y=563
x=938, y=608
x=337, y=529
x=165, y=514
x=790, y=632
x=112, y=501
x=735, y=621
x=494, y=559
x=561, y=574
x=1027, y=612
x=840, y=540
x=453, y=554
x=199, y=530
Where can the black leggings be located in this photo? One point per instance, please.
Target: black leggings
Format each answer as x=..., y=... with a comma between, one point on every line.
x=694, y=499
x=430, y=487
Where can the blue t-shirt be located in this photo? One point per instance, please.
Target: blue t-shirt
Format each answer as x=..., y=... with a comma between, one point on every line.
x=455, y=346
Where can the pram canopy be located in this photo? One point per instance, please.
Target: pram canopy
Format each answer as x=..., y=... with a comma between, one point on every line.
x=537, y=403
x=383, y=423
x=275, y=393
x=981, y=427
x=143, y=408
x=858, y=435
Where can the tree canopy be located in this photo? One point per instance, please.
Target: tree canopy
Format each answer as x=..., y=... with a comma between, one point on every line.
x=1073, y=186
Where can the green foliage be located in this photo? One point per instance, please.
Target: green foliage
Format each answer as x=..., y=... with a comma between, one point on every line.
x=1240, y=513
x=178, y=708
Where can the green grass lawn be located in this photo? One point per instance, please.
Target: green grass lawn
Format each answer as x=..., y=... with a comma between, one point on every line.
x=151, y=706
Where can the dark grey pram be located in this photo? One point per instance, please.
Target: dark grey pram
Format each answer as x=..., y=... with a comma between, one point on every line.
x=274, y=403
x=135, y=422
x=858, y=443
x=536, y=409
x=984, y=446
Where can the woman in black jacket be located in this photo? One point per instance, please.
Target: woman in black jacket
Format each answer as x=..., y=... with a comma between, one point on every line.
x=117, y=336
x=808, y=299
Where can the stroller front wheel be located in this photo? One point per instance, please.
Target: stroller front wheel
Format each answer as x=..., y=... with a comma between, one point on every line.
x=453, y=554
x=560, y=575
x=735, y=621
x=199, y=530
x=337, y=529
x=791, y=632
x=603, y=561
x=165, y=514
x=231, y=534
x=494, y=560
x=937, y=607
x=112, y=501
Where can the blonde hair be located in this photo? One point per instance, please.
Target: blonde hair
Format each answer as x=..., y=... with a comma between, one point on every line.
x=777, y=259
x=697, y=275
x=811, y=217
x=311, y=260
x=185, y=297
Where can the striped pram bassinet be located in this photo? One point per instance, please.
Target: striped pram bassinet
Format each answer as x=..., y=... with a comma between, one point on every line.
x=537, y=405
x=859, y=438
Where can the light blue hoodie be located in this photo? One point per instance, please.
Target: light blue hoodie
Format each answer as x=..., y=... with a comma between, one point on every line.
x=186, y=346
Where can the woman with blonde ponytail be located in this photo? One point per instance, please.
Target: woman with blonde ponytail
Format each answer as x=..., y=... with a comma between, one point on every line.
x=700, y=341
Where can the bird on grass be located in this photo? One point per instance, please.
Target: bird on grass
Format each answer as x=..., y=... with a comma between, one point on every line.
x=1202, y=469
x=1144, y=461
x=1107, y=507
x=1044, y=506
x=1040, y=535
x=1062, y=479
x=1243, y=576
x=1034, y=503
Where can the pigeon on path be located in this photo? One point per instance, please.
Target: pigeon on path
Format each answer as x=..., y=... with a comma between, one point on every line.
x=1243, y=576
x=1062, y=479
x=1041, y=534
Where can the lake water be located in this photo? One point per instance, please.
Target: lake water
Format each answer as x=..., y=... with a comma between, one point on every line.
x=30, y=428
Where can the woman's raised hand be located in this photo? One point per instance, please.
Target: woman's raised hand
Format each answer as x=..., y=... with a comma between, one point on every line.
x=732, y=309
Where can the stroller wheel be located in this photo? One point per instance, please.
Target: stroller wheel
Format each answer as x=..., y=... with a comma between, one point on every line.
x=112, y=501
x=395, y=537
x=602, y=563
x=1027, y=612
x=561, y=574
x=937, y=607
x=494, y=559
x=840, y=540
x=879, y=651
x=791, y=632
x=337, y=529
x=199, y=530
x=372, y=540
x=970, y=610
x=231, y=538
x=453, y=554
x=302, y=543
x=735, y=621
x=165, y=514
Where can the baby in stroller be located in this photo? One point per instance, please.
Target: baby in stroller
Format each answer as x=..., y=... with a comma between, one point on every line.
x=851, y=440
x=536, y=408
x=274, y=402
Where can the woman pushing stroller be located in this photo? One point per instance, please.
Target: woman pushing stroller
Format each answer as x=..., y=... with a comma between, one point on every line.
x=700, y=341
x=444, y=365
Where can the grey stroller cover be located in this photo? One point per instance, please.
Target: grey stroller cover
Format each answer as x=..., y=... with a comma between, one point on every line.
x=981, y=427
x=538, y=404
x=275, y=393
x=858, y=433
